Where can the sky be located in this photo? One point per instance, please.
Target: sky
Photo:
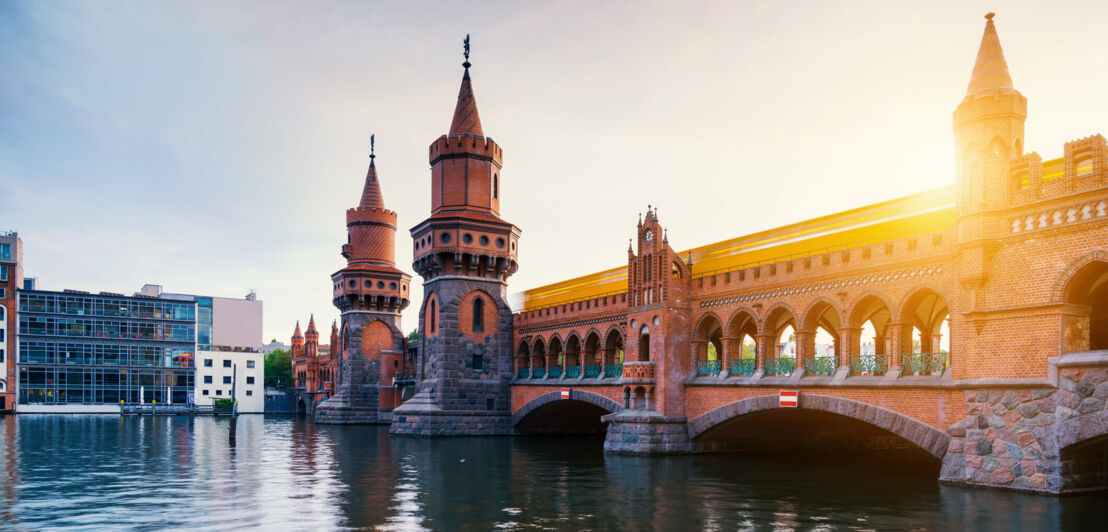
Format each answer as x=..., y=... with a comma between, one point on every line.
x=213, y=147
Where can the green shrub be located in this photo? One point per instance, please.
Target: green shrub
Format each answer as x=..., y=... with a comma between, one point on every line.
x=222, y=403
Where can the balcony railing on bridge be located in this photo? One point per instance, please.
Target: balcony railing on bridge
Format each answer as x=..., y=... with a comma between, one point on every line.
x=592, y=371
x=708, y=367
x=923, y=363
x=554, y=372
x=741, y=366
x=613, y=370
x=866, y=365
x=781, y=366
x=538, y=373
x=572, y=372
x=523, y=373
x=820, y=366
x=638, y=370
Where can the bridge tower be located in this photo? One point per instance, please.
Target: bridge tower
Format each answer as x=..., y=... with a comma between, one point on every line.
x=657, y=355
x=465, y=253
x=988, y=135
x=370, y=292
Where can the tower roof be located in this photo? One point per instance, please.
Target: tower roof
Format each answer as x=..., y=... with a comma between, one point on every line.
x=297, y=333
x=466, y=119
x=311, y=324
x=990, y=72
x=371, y=193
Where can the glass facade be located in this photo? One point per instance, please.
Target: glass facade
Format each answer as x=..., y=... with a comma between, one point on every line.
x=77, y=348
x=204, y=323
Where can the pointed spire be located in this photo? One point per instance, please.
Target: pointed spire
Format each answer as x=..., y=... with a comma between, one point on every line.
x=665, y=236
x=629, y=246
x=311, y=323
x=297, y=333
x=371, y=193
x=466, y=119
x=990, y=72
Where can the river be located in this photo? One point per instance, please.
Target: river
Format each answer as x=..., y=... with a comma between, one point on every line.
x=286, y=473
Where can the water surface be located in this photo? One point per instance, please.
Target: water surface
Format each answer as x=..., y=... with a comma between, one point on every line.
x=95, y=472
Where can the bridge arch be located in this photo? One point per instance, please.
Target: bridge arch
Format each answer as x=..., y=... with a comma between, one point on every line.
x=708, y=342
x=550, y=413
x=924, y=313
x=924, y=436
x=1083, y=287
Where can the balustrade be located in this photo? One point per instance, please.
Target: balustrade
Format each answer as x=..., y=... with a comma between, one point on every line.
x=781, y=366
x=613, y=370
x=708, y=367
x=573, y=372
x=554, y=372
x=869, y=365
x=522, y=373
x=592, y=371
x=923, y=363
x=820, y=366
x=538, y=372
x=638, y=370
x=742, y=366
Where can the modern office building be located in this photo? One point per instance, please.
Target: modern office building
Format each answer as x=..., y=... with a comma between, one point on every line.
x=83, y=352
x=231, y=374
x=11, y=274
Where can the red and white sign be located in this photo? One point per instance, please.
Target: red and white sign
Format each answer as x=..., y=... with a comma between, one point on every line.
x=565, y=393
x=789, y=398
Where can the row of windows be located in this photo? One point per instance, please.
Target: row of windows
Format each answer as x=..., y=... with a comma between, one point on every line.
x=107, y=329
x=49, y=376
x=249, y=393
x=101, y=396
x=72, y=354
x=227, y=363
x=226, y=379
x=107, y=307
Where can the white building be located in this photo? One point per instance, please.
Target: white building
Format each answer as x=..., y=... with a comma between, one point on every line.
x=216, y=373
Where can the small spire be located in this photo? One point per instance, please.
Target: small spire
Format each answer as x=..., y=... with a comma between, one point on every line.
x=371, y=192
x=990, y=71
x=665, y=236
x=640, y=219
x=466, y=119
x=297, y=333
x=311, y=323
x=629, y=250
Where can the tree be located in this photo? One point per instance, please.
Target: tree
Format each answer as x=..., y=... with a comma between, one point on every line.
x=278, y=363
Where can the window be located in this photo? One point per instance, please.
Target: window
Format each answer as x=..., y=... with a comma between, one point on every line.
x=1, y=356
x=250, y=380
x=478, y=314
x=250, y=364
x=495, y=186
x=3, y=293
x=249, y=393
x=434, y=315
x=5, y=251
x=478, y=362
x=207, y=362
x=226, y=363
x=204, y=392
x=219, y=392
x=227, y=380
x=3, y=272
x=207, y=379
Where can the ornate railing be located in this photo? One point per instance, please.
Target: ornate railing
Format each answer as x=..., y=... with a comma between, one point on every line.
x=538, y=372
x=638, y=370
x=523, y=373
x=740, y=366
x=573, y=372
x=820, y=366
x=613, y=370
x=708, y=367
x=592, y=371
x=869, y=365
x=554, y=372
x=924, y=363
x=781, y=367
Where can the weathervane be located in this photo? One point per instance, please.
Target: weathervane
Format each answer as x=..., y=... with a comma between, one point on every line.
x=371, y=142
x=466, y=42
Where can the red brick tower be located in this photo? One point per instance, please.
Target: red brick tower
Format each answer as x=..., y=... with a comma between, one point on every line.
x=465, y=253
x=370, y=291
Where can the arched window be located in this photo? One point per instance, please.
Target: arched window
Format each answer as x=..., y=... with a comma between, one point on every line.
x=434, y=316
x=495, y=186
x=478, y=314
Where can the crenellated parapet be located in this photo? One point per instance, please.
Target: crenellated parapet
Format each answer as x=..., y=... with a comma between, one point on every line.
x=465, y=145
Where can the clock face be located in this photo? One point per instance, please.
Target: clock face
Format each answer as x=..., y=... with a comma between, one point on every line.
x=649, y=235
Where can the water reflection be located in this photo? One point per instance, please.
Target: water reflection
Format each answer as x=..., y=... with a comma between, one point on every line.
x=287, y=473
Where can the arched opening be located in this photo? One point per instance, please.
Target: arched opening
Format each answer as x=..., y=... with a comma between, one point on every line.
x=478, y=314
x=433, y=315
x=538, y=360
x=573, y=357
x=495, y=186
x=925, y=339
x=555, y=359
x=613, y=354
x=644, y=345
x=551, y=413
x=523, y=354
x=1085, y=324
x=870, y=347
x=1085, y=465
x=301, y=407
x=742, y=350
x=819, y=437
x=780, y=325
x=592, y=356
x=708, y=343
x=821, y=349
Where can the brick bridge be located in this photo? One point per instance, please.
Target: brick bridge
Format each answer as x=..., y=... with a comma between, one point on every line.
x=969, y=323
